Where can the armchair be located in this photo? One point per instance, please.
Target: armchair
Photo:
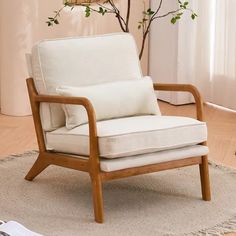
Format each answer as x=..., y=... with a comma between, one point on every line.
x=99, y=147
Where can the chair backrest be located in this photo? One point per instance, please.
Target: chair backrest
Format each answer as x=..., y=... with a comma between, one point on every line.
x=78, y=62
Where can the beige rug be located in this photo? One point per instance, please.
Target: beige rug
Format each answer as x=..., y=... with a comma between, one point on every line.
x=58, y=202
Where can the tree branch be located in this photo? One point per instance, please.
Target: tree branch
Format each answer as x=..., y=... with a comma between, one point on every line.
x=108, y=6
x=54, y=20
x=105, y=7
x=120, y=19
x=158, y=9
x=166, y=14
x=147, y=29
x=128, y=15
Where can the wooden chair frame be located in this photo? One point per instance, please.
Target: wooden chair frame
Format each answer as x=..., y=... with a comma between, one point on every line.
x=92, y=164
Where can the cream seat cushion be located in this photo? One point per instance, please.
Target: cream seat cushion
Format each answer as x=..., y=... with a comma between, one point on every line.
x=108, y=165
x=130, y=136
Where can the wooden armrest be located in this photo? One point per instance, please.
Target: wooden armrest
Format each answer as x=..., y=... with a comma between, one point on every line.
x=184, y=88
x=36, y=99
x=68, y=100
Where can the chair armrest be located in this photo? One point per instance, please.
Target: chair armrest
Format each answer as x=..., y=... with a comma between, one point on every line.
x=70, y=101
x=36, y=99
x=184, y=88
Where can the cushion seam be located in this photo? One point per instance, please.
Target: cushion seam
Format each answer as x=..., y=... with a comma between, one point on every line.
x=138, y=132
x=163, y=148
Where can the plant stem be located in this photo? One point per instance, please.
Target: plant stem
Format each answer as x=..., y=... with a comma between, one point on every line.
x=146, y=31
x=143, y=44
x=120, y=19
x=109, y=6
x=128, y=15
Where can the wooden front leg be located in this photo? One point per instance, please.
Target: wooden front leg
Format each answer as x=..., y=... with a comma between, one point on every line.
x=205, y=181
x=97, y=198
x=40, y=164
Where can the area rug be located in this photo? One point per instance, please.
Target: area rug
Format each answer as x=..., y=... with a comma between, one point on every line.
x=58, y=202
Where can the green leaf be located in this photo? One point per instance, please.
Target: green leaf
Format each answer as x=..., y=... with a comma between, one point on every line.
x=173, y=20
x=150, y=12
x=66, y=4
x=104, y=12
x=49, y=23
x=87, y=11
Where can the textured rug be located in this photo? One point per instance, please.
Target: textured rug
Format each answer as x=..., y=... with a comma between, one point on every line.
x=58, y=202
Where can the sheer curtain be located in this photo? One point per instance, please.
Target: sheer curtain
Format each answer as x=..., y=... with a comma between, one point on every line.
x=223, y=54
x=207, y=51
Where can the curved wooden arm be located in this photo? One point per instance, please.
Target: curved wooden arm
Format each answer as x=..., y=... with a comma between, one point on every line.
x=36, y=99
x=72, y=101
x=184, y=88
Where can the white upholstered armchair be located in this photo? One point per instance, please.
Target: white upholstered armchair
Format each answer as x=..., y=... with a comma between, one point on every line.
x=95, y=112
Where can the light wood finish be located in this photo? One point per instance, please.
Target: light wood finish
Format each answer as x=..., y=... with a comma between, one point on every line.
x=185, y=88
x=40, y=164
x=203, y=166
x=205, y=180
x=46, y=158
x=92, y=164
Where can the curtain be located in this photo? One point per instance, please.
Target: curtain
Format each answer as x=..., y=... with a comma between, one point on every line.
x=207, y=51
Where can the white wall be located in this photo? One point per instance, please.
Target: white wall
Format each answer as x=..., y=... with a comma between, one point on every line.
x=23, y=24
x=163, y=57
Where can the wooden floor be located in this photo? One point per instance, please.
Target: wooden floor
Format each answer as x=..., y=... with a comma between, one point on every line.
x=17, y=133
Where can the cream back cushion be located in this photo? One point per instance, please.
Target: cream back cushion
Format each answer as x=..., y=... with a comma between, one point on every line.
x=111, y=100
x=79, y=62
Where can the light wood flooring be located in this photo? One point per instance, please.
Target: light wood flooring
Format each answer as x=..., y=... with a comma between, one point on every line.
x=17, y=133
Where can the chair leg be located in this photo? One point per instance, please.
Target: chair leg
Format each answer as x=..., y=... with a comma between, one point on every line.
x=205, y=181
x=97, y=198
x=39, y=165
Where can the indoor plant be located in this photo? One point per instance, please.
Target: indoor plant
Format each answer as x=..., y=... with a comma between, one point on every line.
x=149, y=15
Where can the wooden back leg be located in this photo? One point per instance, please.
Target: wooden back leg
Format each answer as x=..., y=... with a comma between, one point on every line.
x=205, y=181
